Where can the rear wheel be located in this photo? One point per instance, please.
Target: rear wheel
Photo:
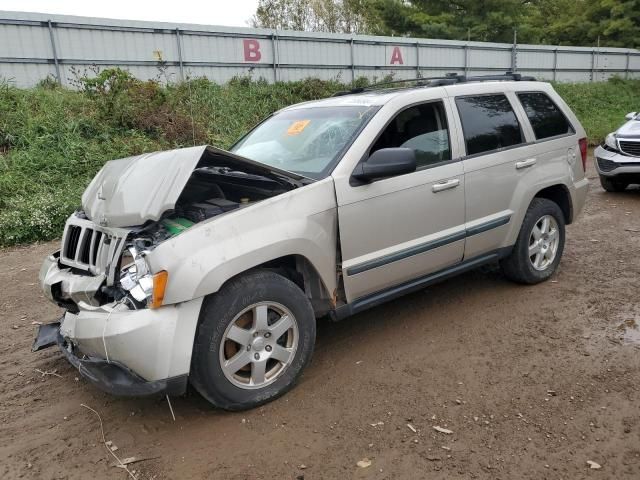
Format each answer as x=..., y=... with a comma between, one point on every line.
x=539, y=246
x=255, y=337
x=611, y=185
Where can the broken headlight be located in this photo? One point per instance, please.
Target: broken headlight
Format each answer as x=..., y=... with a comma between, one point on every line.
x=136, y=278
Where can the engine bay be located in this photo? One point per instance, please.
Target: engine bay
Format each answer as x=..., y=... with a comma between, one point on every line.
x=211, y=191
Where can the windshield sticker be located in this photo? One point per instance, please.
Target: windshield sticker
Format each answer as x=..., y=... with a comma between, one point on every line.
x=296, y=128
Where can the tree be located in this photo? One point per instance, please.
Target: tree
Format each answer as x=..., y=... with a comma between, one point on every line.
x=582, y=22
x=283, y=15
x=335, y=16
x=615, y=23
x=482, y=20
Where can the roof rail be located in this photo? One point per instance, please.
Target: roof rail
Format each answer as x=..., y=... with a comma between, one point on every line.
x=448, y=79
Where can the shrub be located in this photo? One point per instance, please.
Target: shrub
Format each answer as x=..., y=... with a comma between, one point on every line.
x=53, y=140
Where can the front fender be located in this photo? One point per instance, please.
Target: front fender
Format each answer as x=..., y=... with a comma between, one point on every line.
x=300, y=222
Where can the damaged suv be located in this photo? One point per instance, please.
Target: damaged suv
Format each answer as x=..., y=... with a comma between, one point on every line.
x=210, y=267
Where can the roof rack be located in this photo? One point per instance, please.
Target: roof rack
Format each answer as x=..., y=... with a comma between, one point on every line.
x=448, y=79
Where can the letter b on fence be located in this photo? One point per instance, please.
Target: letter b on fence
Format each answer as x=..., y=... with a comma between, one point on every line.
x=251, y=50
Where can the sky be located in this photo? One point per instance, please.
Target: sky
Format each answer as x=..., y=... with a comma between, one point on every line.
x=207, y=12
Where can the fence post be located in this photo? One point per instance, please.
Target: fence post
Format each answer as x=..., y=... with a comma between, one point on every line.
x=274, y=53
x=626, y=69
x=353, y=65
x=466, y=60
x=594, y=60
x=514, y=61
x=180, y=54
x=555, y=64
x=418, y=60
x=55, y=52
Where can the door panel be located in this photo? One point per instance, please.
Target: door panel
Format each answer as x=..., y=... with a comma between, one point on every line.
x=498, y=161
x=397, y=229
x=490, y=188
x=401, y=229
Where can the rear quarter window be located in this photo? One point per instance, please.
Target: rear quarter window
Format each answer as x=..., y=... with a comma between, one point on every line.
x=547, y=120
x=488, y=123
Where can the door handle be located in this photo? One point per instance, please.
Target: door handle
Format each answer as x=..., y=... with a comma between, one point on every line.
x=530, y=162
x=439, y=187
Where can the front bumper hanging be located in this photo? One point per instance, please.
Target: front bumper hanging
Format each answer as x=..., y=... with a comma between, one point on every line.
x=109, y=376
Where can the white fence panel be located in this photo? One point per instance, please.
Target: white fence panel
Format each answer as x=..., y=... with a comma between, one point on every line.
x=34, y=46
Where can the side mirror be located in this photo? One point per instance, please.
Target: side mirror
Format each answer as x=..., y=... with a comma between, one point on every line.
x=386, y=162
x=631, y=116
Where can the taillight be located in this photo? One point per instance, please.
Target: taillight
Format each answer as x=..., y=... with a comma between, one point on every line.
x=583, y=151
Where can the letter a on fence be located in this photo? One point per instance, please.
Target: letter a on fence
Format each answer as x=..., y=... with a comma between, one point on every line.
x=251, y=50
x=396, y=56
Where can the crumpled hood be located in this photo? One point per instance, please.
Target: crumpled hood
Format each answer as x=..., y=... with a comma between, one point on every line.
x=631, y=129
x=133, y=190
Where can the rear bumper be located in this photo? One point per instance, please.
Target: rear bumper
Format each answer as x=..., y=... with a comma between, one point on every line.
x=612, y=164
x=109, y=376
x=578, y=197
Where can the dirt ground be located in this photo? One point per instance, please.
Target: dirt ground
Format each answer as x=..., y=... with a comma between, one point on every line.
x=533, y=382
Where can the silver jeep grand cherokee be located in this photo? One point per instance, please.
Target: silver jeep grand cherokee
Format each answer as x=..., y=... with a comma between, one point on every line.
x=210, y=267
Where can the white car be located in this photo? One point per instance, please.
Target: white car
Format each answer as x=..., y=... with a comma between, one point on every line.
x=618, y=158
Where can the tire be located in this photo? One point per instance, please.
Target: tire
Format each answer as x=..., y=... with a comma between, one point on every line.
x=273, y=365
x=522, y=267
x=611, y=185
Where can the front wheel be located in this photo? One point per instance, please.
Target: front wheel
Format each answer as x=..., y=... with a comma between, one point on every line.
x=539, y=246
x=255, y=337
x=611, y=185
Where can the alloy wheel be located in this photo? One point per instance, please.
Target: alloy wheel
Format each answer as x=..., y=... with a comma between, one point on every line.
x=258, y=345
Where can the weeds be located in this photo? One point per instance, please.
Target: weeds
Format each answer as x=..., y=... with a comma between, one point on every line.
x=53, y=140
x=601, y=106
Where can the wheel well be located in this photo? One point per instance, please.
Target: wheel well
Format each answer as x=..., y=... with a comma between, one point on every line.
x=302, y=272
x=559, y=194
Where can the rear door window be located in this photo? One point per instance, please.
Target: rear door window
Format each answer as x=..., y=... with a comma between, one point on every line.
x=488, y=123
x=546, y=119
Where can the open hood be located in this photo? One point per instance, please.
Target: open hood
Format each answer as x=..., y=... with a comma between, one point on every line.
x=130, y=191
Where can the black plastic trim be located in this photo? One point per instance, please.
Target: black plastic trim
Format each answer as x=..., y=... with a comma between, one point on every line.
x=498, y=222
x=425, y=247
x=46, y=336
x=407, y=252
x=378, y=298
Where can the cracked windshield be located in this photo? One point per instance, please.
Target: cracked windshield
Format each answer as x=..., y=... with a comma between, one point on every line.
x=307, y=141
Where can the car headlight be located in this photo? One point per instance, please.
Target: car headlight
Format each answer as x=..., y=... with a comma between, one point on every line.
x=611, y=142
x=143, y=285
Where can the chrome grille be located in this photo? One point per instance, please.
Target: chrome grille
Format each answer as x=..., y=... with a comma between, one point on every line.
x=73, y=238
x=92, y=248
x=630, y=148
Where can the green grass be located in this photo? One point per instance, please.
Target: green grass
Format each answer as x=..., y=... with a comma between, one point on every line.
x=54, y=140
x=601, y=106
